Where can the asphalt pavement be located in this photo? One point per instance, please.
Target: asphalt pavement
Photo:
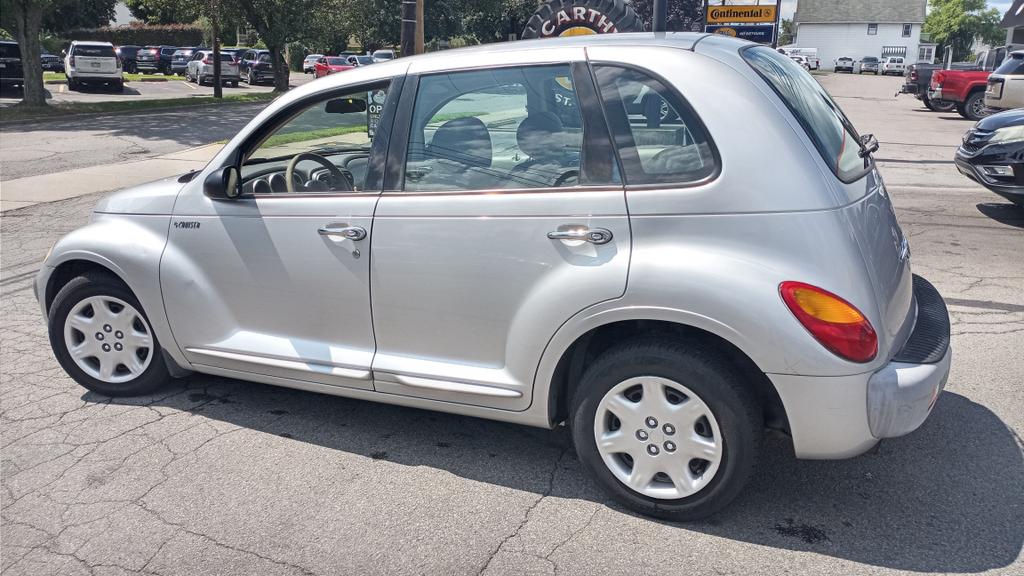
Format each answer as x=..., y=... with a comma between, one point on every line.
x=218, y=476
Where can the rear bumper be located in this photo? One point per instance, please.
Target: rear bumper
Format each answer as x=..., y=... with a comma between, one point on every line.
x=911, y=88
x=841, y=417
x=85, y=76
x=940, y=95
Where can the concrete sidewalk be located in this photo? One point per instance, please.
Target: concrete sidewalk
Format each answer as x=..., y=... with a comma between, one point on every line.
x=24, y=192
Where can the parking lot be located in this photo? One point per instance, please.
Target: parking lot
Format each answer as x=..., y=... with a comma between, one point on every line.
x=217, y=476
x=163, y=87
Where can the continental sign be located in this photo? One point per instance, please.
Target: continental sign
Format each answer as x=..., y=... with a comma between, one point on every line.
x=736, y=14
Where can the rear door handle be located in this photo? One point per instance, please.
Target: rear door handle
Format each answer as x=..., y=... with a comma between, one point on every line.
x=343, y=231
x=592, y=235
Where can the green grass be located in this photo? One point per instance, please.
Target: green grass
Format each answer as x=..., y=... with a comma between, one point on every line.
x=19, y=112
x=290, y=137
x=53, y=77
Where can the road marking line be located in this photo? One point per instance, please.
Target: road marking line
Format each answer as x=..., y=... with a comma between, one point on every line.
x=188, y=84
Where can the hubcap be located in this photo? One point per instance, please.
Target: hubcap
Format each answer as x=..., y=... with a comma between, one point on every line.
x=658, y=437
x=108, y=339
x=979, y=107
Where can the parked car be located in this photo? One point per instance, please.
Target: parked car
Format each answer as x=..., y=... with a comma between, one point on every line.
x=11, y=71
x=309, y=63
x=180, y=59
x=868, y=64
x=844, y=64
x=329, y=65
x=235, y=51
x=966, y=88
x=93, y=63
x=382, y=55
x=992, y=154
x=256, y=66
x=508, y=278
x=893, y=65
x=801, y=61
x=1005, y=88
x=360, y=60
x=129, y=57
x=51, y=62
x=919, y=76
x=200, y=68
x=154, y=59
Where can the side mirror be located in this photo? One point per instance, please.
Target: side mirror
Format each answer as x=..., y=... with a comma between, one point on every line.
x=223, y=184
x=345, y=106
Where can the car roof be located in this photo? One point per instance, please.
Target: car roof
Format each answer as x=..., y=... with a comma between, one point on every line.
x=90, y=43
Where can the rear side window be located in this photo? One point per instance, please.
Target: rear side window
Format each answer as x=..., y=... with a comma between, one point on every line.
x=820, y=116
x=95, y=51
x=1012, y=65
x=658, y=136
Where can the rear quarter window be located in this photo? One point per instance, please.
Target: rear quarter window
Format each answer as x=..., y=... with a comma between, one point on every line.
x=9, y=51
x=822, y=120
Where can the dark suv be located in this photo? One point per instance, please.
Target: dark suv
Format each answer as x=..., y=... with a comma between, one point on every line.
x=155, y=59
x=129, y=57
x=180, y=58
x=11, y=73
x=255, y=66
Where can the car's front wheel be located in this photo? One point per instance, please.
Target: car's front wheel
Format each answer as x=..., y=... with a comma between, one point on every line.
x=668, y=429
x=103, y=339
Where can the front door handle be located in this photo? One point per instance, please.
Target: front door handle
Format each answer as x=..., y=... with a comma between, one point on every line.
x=347, y=232
x=592, y=235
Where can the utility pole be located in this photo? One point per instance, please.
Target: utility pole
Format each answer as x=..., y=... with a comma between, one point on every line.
x=660, y=15
x=218, y=88
x=419, y=26
x=408, y=27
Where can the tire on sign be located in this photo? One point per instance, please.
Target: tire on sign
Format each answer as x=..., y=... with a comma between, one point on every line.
x=576, y=18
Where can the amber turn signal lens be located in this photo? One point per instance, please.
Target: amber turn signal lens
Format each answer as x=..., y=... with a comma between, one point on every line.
x=834, y=322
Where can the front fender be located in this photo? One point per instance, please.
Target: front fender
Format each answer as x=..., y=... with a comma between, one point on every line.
x=130, y=246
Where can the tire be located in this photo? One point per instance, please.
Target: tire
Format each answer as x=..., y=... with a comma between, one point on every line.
x=973, y=108
x=546, y=17
x=200, y=79
x=85, y=293
x=118, y=87
x=234, y=84
x=735, y=425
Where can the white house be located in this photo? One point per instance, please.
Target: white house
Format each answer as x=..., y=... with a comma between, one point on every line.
x=859, y=28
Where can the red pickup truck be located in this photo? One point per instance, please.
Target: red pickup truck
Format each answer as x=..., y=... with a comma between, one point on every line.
x=966, y=88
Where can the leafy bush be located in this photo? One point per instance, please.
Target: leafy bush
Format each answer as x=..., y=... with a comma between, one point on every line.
x=142, y=34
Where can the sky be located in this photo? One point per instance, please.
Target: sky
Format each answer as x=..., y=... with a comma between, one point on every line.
x=789, y=6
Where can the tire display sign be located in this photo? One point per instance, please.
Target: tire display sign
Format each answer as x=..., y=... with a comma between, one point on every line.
x=374, y=105
x=762, y=34
x=581, y=17
x=741, y=14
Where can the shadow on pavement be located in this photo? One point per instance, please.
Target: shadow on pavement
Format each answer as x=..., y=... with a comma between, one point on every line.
x=947, y=498
x=1007, y=213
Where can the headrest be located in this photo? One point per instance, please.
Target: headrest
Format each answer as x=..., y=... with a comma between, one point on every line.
x=540, y=136
x=463, y=140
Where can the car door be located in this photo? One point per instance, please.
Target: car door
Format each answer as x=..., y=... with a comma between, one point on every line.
x=502, y=217
x=276, y=282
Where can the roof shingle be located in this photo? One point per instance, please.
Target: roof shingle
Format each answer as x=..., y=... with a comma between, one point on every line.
x=878, y=11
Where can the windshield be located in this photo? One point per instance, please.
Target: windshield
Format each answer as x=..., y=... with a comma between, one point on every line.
x=826, y=125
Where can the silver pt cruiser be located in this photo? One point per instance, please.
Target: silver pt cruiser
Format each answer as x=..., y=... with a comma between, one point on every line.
x=669, y=242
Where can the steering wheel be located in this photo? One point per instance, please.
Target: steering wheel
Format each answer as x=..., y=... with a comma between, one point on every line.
x=337, y=176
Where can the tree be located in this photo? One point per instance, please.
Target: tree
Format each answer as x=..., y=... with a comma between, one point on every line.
x=955, y=24
x=279, y=22
x=682, y=14
x=25, y=19
x=374, y=23
x=787, y=32
x=71, y=14
x=163, y=11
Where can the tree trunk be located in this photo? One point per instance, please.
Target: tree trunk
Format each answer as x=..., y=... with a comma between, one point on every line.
x=281, y=72
x=29, y=17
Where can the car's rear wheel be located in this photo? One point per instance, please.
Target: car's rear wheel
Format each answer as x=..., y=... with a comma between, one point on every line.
x=668, y=429
x=103, y=339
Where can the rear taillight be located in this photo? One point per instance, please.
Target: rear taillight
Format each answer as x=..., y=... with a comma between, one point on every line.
x=834, y=322
x=206, y=60
x=913, y=75
x=71, y=61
